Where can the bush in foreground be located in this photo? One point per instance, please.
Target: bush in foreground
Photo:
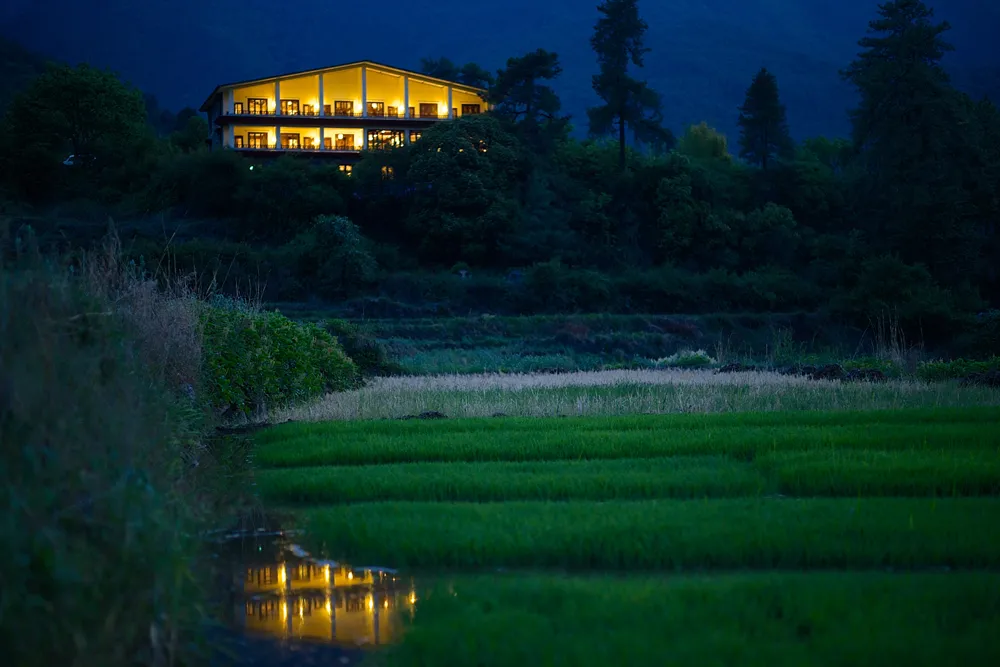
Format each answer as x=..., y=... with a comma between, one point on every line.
x=256, y=361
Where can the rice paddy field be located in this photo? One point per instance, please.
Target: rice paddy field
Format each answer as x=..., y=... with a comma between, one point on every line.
x=769, y=522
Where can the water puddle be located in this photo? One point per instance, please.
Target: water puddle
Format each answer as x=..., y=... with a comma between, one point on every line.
x=277, y=591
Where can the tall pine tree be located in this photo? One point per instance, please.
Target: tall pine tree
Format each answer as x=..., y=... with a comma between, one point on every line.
x=764, y=132
x=628, y=102
x=911, y=134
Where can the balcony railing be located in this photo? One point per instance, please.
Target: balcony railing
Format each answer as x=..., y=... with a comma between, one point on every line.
x=341, y=114
x=298, y=147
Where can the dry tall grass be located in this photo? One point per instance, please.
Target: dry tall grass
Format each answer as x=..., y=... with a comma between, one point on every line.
x=625, y=392
x=161, y=310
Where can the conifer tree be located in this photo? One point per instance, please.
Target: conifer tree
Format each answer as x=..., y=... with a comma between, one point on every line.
x=910, y=132
x=628, y=103
x=764, y=132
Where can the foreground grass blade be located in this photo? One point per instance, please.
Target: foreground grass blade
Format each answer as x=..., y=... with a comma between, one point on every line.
x=883, y=473
x=765, y=620
x=576, y=441
x=666, y=534
x=408, y=428
x=681, y=477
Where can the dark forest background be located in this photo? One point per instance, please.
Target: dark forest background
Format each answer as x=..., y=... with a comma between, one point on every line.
x=763, y=179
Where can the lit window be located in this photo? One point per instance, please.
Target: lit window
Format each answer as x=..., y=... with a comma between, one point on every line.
x=346, y=168
x=388, y=173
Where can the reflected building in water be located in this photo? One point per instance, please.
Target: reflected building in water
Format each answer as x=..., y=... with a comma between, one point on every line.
x=287, y=597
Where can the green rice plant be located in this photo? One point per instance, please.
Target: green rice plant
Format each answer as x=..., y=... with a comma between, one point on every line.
x=563, y=480
x=664, y=534
x=756, y=620
x=903, y=472
x=983, y=415
x=745, y=443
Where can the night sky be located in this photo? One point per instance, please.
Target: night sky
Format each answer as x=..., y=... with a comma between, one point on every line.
x=704, y=52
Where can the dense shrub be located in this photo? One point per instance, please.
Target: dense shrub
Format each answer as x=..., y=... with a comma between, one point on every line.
x=686, y=359
x=256, y=361
x=360, y=344
x=332, y=257
x=933, y=371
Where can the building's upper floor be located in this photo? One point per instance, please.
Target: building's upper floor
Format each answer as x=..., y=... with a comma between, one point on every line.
x=358, y=90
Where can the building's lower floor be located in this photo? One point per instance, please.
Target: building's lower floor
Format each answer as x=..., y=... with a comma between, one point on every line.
x=335, y=139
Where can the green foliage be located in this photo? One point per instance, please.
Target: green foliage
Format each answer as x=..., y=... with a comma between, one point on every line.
x=83, y=111
x=729, y=533
x=887, y=284
x=764, y=133
x=202, y=184
x=686, y=359
x=887, y=366
x=835, y=619
x=257, y=361
x=629, y=479
x=618, y=41
x=702, y=142
x=470, y=74
x=332, y=257
x=360, y=344
x=463, y=207
x=191, y=135
x=936, y=371
x=271, y=213
x=745, y=436
x=918, y=200
x=849, y=227
x=530, y=105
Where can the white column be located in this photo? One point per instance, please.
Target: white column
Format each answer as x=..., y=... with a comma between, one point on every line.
x=227, y=102
x=277, y=97
x=449, y=102
x=364, y=139
x=321, y=98
x=277, y=137
x=230, y=136
x=406, y=96
x=322, y=138
x=364, y=93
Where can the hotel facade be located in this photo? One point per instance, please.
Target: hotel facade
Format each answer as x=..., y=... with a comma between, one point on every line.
x=336, y=112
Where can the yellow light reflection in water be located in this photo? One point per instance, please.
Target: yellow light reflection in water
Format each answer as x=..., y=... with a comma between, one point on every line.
x=301, y=600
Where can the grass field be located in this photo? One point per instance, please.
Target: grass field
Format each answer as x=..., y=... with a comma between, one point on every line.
x=756, y=620
x=627, y=392
x=760, y=538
